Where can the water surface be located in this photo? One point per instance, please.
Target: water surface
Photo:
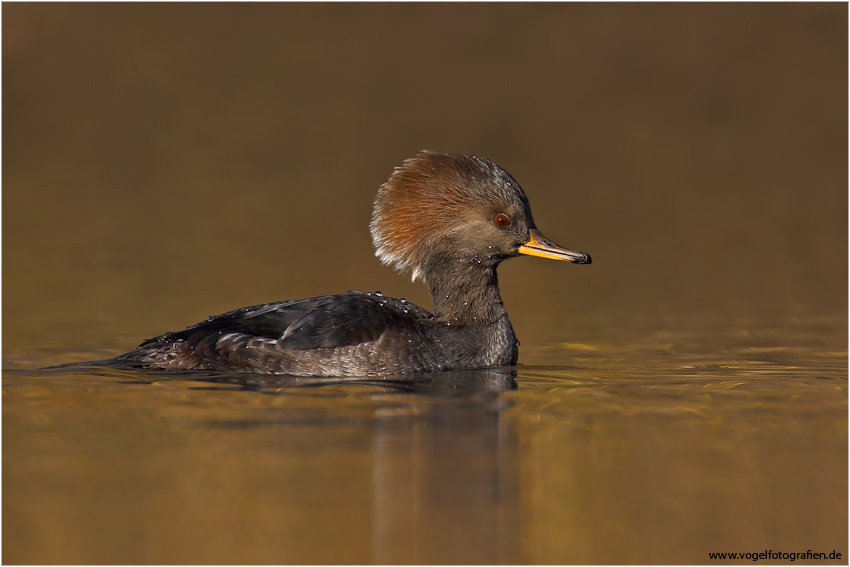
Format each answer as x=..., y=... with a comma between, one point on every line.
x=661, y=450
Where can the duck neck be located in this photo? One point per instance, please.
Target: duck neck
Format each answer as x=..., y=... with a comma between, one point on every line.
x=465, y=291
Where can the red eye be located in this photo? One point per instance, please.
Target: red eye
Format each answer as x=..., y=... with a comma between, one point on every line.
x=502, y=220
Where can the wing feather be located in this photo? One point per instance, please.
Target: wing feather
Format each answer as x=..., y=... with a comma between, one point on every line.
x=329, y=321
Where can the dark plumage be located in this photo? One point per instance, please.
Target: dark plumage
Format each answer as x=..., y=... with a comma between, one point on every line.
x=450, y=220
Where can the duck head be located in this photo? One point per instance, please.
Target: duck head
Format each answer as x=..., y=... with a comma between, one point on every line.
x=439, y=208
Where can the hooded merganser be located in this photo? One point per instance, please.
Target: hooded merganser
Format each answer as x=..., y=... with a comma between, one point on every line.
x=449, y=220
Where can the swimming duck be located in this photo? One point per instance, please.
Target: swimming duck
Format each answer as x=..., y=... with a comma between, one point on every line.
x=448, y=220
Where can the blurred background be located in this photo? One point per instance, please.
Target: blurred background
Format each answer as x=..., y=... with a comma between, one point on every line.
x=164, y=162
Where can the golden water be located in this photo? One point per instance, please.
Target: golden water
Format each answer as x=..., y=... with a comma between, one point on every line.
x=655, y=451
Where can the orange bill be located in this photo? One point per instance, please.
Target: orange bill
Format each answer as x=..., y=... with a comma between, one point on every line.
x=539, y=245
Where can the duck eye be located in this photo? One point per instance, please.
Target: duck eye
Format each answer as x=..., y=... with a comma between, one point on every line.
x=502, y=220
